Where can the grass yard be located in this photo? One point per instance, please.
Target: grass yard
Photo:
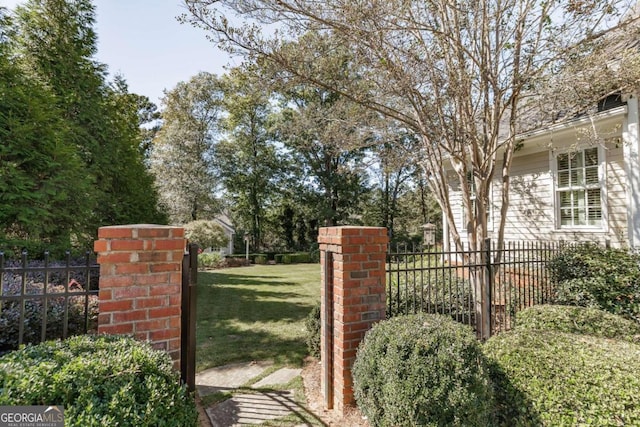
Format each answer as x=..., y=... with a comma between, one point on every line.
x=255, y=313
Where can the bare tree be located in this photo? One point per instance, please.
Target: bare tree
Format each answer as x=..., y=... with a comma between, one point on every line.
x=458, y=73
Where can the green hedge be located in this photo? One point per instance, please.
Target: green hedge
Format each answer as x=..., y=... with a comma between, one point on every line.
x=293, y=258
x=593, y=276
x=101, y=381
x=422, y=370
x=577, y=320
x=313, y=327
x=210, y=260
x=550, y=378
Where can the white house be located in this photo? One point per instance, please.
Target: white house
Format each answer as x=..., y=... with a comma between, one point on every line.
x=568, y=185
x=225, y=222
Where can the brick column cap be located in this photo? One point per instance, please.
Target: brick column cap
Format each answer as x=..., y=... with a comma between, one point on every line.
x=139, y=226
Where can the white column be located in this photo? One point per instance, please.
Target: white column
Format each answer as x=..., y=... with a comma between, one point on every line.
x=631, y=143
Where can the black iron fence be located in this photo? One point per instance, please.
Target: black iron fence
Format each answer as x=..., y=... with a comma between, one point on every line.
x=448, y=282
x=45, y=299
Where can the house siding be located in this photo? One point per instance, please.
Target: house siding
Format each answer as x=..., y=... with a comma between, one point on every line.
x=531, y=214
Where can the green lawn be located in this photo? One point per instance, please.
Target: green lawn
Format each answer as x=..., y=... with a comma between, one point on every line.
x=255, y=313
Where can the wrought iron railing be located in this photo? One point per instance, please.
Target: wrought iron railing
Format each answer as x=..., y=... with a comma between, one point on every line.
x=436, y=281
x=45, y=299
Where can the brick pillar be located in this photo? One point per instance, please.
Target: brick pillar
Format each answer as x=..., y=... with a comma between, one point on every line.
x=358, y=276
x=140, y=283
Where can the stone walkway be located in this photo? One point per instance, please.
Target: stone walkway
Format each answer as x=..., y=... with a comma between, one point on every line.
x=251, y=408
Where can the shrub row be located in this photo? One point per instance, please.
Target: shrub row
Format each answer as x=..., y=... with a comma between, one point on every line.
x=566, y=366
x=294, y=258
x=100, y=380
x=263, y=258
x=559, y=366
x=593, y=276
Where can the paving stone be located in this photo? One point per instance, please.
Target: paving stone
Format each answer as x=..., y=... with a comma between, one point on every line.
x=229, y=377
x=252, y=409
x=281, y=376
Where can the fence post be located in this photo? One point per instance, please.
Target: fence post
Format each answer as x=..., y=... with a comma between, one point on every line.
x=140, y=283
x=188, y=320
x=356, y=277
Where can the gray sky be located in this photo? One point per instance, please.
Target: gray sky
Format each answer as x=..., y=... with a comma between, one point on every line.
x=142, y=40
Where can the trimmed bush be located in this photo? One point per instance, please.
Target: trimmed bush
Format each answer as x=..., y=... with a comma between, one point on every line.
x=210, y=260
x=101, y=380
x=313, y=325
x=592, y=276
x=422, y=370
x=293, y=258
x=552, y=378
x=206, y=234
x=260, y=259
x=300, y=257
x=577, y=320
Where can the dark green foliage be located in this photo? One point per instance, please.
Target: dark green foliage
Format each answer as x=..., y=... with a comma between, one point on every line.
x=100, y=380
x=590, y=260
x=313, y=325
x=551, y=378
x=422, y=370
x=210, y=260
x=432, y=292
x=577, y=320
x=206, y=234
x=293, y=258
x=70, y=159
x=45, y=191
x=592, y=276
x=33, y=311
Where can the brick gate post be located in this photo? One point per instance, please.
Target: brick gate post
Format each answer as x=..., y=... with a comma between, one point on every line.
x=356, y=273
x=141, y=282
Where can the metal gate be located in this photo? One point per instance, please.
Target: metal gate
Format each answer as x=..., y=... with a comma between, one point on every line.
x=188, y=323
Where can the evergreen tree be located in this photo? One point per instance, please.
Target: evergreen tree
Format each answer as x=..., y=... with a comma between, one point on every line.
x=55, y=43
x=45, y=192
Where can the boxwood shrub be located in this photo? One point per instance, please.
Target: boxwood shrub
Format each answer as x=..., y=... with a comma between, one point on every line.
x=422, y=370
x=210, y=260
x=100, y=380
x=593, y=276
x=313, y=327
x=553, y=378
x=578, y=320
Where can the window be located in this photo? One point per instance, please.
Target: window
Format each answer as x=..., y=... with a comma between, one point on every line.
x=578, y=189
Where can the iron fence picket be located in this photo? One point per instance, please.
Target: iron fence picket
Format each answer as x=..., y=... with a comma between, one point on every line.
x=516, y=273
x=29, y=273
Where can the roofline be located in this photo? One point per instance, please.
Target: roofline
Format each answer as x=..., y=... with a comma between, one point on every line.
x=575, y=122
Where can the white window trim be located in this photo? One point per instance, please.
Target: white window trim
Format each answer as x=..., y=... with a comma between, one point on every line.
x=602, y=182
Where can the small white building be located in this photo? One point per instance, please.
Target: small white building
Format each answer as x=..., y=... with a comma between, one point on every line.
x=225, y=222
